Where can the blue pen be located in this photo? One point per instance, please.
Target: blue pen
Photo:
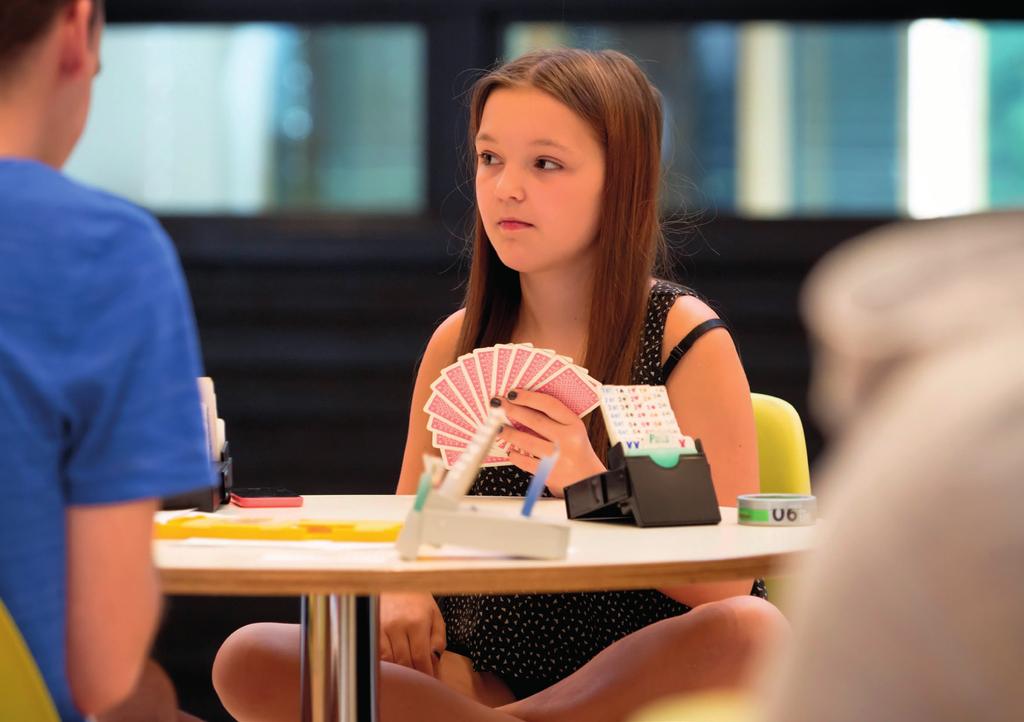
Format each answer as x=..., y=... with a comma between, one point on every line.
x=538, y=481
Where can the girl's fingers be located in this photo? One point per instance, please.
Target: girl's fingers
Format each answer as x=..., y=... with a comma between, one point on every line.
x=438, y=638
x=544, y=403
x=422, y=657
x=386, y=654
x=401, y=654
x=539, y=422
x=532, y=445
x=524, y=462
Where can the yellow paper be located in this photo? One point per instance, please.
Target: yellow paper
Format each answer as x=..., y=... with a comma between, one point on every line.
x=185, y=527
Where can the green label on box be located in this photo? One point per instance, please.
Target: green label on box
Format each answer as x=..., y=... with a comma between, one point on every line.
x=754, y=515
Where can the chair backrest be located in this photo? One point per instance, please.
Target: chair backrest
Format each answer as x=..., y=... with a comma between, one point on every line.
x=781, y=447
x=23, y=693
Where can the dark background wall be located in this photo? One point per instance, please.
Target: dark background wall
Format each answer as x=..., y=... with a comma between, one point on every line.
x=313, y=338
x=312, y=326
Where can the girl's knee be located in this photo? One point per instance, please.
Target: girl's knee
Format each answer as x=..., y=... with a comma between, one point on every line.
x=228, y=665
x=747, y=621
x=256, y=669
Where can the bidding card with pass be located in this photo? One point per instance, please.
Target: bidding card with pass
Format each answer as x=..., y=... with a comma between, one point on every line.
x=641, y=418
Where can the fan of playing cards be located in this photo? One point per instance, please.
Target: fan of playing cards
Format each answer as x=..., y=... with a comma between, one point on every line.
x=461, y=395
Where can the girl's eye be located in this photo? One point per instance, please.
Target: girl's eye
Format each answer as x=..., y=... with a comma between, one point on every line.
x=486, y=158
x=545, y=164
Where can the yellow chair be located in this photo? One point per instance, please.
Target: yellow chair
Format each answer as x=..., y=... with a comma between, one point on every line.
x=782, y=461
x=781, y=447
x=23, y=694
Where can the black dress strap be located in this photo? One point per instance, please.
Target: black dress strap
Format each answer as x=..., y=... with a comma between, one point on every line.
x=683, y=346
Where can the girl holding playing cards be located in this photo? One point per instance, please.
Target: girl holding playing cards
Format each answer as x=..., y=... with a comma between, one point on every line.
x=565, y=249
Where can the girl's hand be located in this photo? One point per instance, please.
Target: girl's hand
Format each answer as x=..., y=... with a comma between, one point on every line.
x=412, y=631
x=553, y=423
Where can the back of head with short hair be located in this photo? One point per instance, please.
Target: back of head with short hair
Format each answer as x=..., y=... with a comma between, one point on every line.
x=24, y=21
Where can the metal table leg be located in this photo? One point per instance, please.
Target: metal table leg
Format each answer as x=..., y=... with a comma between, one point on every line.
x=340, y=662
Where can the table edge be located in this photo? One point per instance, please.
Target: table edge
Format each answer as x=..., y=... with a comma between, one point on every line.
x=554, y=578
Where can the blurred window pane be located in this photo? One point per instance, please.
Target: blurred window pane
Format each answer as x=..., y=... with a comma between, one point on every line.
x=1006, y=113
x=802, y=119
x=260, y=118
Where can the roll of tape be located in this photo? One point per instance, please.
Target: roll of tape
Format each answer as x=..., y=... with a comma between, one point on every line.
x=777, y=509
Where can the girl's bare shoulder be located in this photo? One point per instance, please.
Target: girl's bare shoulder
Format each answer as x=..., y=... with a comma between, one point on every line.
x=441, y=348
x=686, y=313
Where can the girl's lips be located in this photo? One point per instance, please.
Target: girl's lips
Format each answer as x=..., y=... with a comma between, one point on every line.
x=514, y=225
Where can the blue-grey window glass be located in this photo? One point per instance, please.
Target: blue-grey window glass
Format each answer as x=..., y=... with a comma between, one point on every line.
x=846, y=114
x=258, y=118
x=842, y=106
x=1006, y=113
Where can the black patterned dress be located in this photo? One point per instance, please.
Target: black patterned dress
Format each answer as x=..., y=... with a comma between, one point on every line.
x=532, y=641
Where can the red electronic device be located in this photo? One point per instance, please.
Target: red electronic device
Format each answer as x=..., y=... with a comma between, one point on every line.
x=264, y=497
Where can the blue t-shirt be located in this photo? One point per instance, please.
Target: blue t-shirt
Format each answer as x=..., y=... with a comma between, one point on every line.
x=98, y=395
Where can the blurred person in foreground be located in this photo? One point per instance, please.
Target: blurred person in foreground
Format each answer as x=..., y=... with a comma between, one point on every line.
x=910, y=609
x=99, y=409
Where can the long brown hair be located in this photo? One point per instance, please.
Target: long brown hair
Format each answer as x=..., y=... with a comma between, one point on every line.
x=608, y=91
